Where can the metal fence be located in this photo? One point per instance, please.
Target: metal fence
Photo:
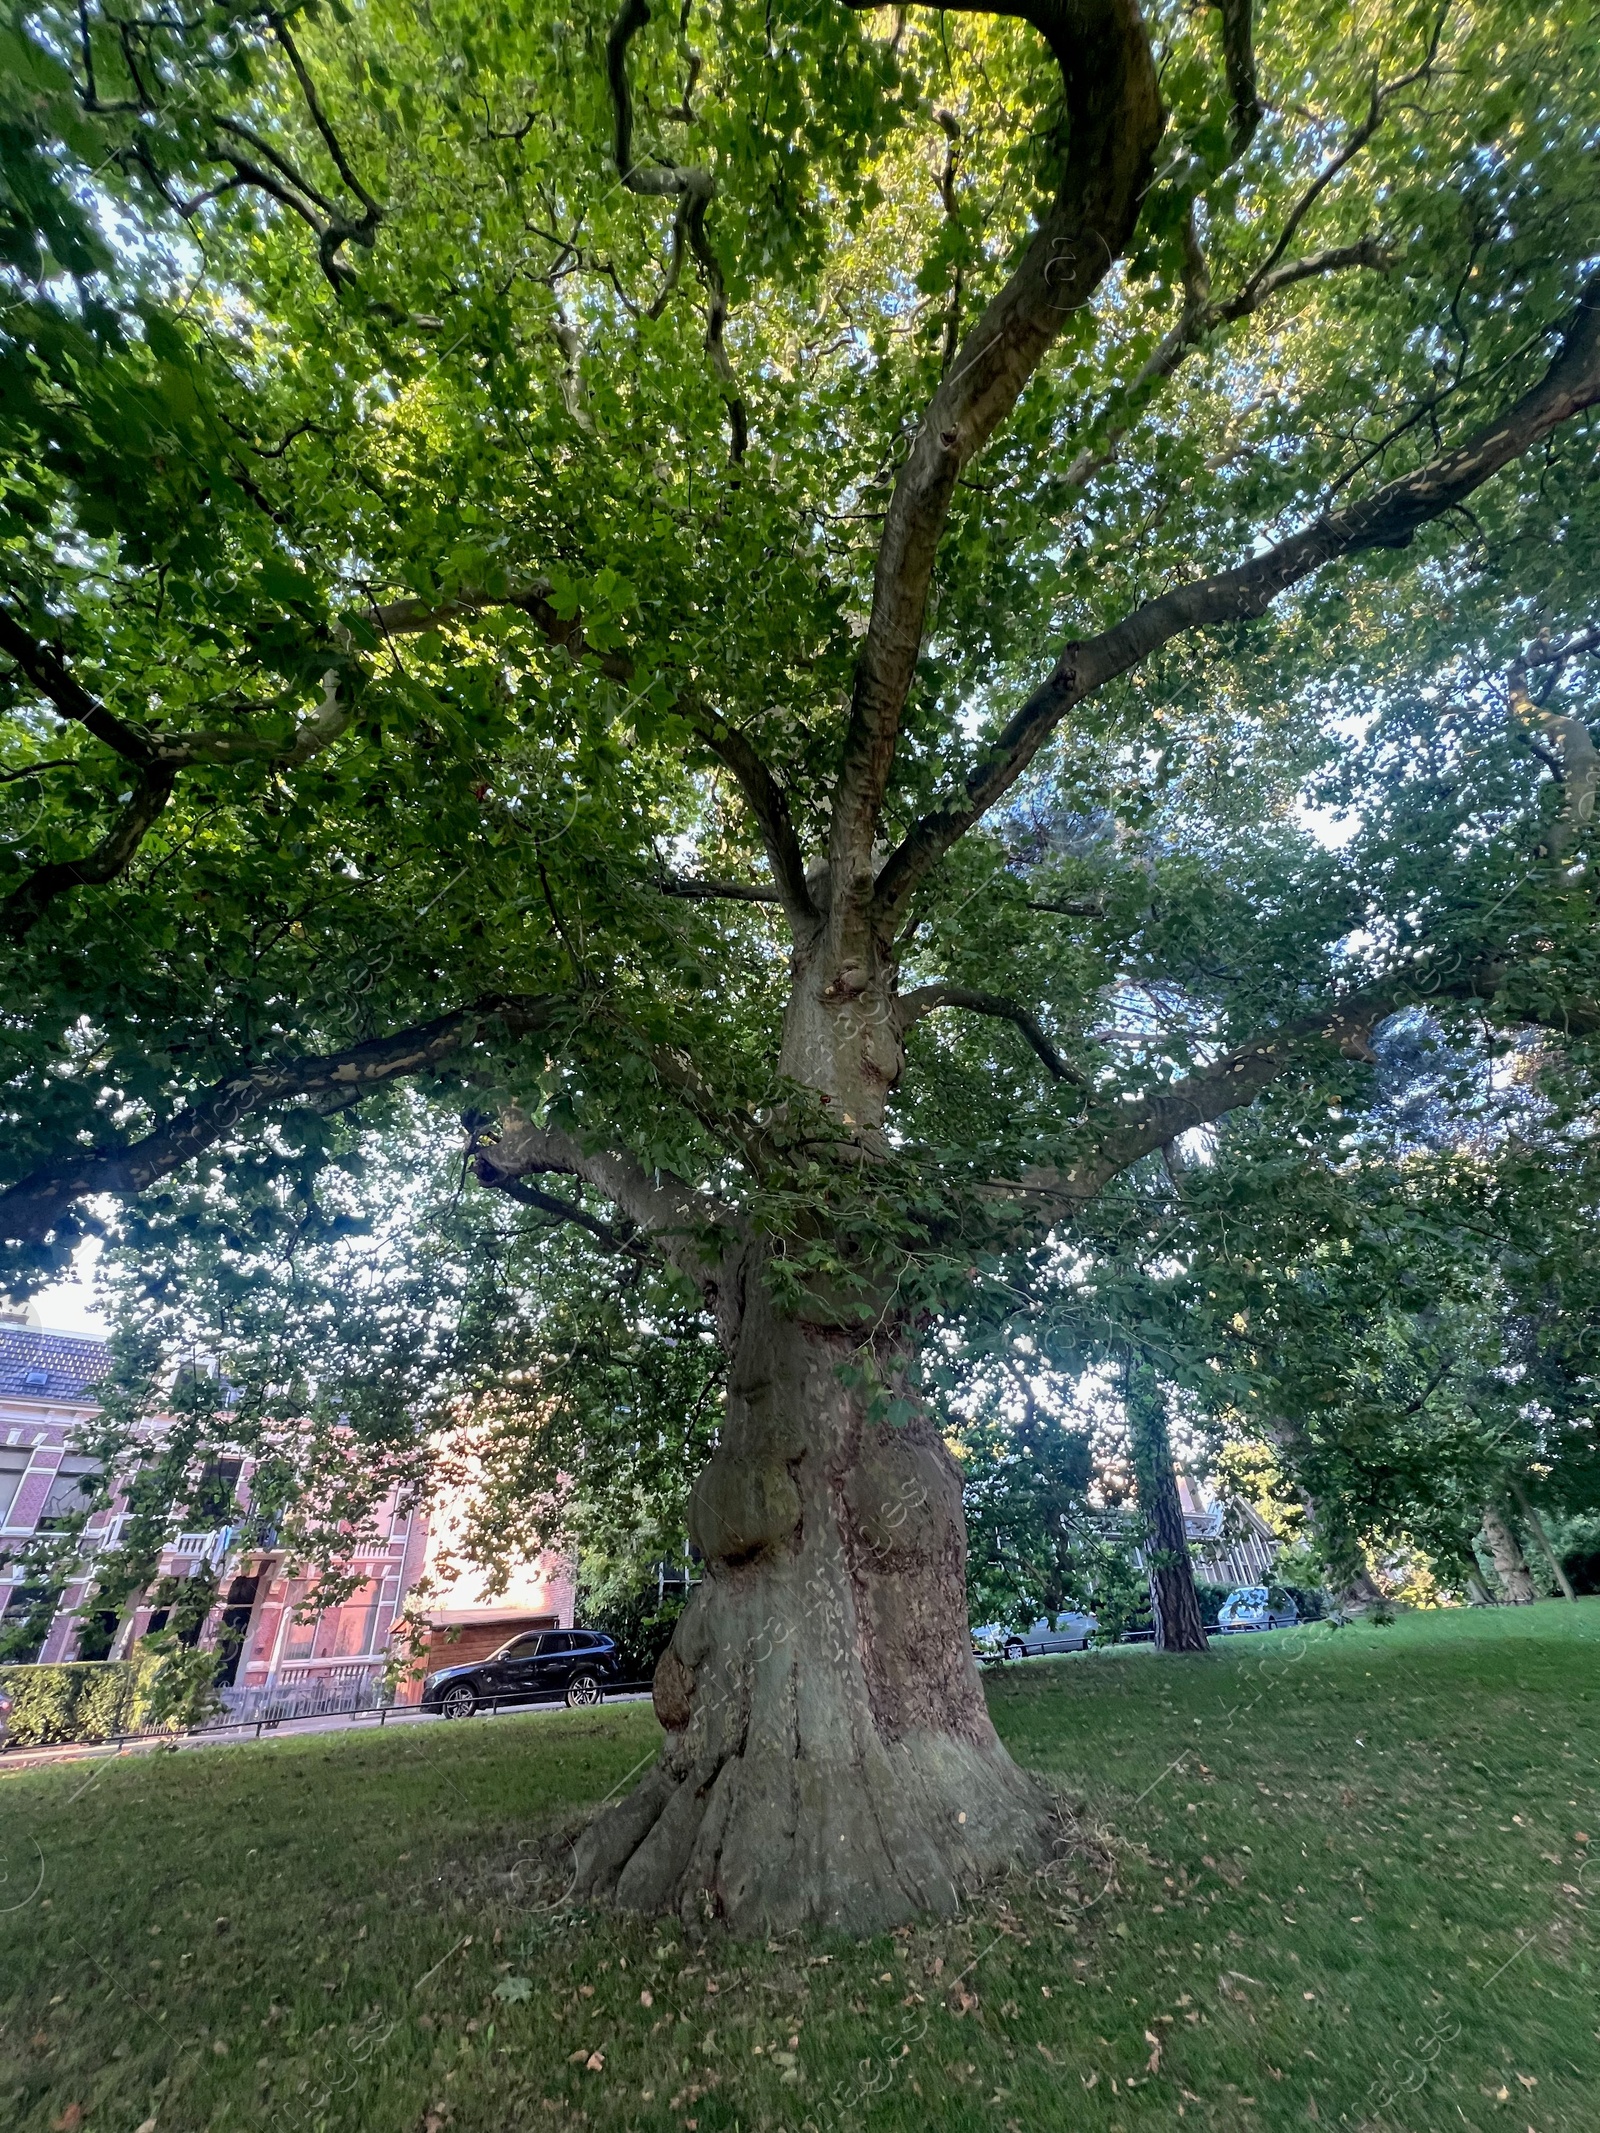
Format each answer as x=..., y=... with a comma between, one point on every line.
x=304, y=1699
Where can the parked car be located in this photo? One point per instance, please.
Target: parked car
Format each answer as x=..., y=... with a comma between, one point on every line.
x=1068, y=1632
x=1256, y=1607
x=534, y=1668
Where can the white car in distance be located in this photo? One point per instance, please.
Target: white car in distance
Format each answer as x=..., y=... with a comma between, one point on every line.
x=1068, y=1632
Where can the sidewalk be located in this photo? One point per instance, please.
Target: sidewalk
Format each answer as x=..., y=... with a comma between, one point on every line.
x=247, y=1731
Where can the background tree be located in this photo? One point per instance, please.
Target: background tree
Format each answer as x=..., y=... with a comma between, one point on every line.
x=750, y=600
x=1174, y=1601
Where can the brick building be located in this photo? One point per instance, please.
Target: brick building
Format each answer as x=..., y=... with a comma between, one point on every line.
x=339, y=1652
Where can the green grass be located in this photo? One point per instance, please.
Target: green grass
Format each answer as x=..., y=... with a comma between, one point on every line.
x=1340, y=1883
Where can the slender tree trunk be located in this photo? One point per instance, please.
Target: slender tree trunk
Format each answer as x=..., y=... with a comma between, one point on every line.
x=829, y=1756
x=1511, y=1565
x=1174, y=1601
x=1478, y=1592
x=1525, y=1505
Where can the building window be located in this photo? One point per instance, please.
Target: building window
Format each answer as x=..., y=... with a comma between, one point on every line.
x=69, y=1494
x=300, y=1638
x=358, y=1622
x=13, y=1465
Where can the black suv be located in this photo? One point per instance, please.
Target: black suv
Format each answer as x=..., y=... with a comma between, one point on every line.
x=574, y=1663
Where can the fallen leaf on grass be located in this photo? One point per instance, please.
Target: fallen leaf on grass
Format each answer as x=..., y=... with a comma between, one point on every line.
x=69, y=2121
x=1089, y=2084
x=647, y=1998
x=1153, y=2064
x=595, y=2062
x=514, y=1989
x=1529, y=2081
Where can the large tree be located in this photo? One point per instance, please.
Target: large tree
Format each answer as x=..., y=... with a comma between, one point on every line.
x=751, y=592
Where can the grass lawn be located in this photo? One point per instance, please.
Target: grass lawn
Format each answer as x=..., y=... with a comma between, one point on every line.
x=1338, y=1881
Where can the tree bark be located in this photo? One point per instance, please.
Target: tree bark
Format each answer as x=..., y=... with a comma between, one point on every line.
x=1526, y=1506
x=1511, y=1565
x=1174, y=1602
x=829, y=1758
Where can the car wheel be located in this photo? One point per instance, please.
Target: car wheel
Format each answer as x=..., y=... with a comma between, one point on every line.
x=458, y=1701
x=582, y=1689
x=1016, y=1649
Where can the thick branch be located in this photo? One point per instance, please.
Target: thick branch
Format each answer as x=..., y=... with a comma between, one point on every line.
x=763, y=794
x=912, y=1006
x=695, y=189
x=1139, y=1129
x=1239, y=59
x=742, y=892
x=37, y=1204
x=1386, y=519
x=1114, y=121
x=157, y=759
x=679, y=1221
x=765, y=799
x=28, y=902
x=67, y=696
x=626, y=1240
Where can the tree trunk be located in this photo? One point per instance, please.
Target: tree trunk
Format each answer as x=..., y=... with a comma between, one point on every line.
x=1362, y=1590
x=1526, y=1506
x=1173, y=1600
x=1511, y=1565
x=829, y=1758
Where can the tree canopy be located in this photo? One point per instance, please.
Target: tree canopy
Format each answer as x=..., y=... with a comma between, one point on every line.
x=832, y=627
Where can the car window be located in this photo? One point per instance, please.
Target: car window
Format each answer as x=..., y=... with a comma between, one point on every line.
x=555, y=1641
x=521, y=1648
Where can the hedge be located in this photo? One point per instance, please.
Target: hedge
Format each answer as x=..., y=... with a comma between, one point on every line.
x=98, y=1699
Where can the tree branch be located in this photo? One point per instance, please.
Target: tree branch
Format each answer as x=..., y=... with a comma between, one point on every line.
x=1388, y=518
x=37, y=1204
x=913, y=1006
x=744, y=892
x=1574, y=761
x=1138, y=1130
x=1200, y=319
x=28, y=902
x=1114, y=120
x=678, y=1220
x=765, y=798
x=695, y=190
x=1239, y=61
x=1382, y=94
x=157, y=759
x=56, y=682
x=762, y=792
x=609, y=1239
